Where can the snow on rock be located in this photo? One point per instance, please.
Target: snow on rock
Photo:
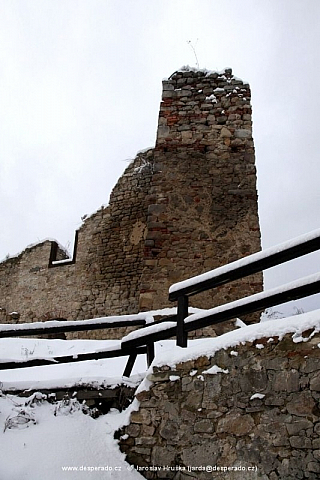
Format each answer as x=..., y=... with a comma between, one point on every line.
x=214, y=370
x=212, y=98
x=294, y=325
x=239, y=323
x=257, y=395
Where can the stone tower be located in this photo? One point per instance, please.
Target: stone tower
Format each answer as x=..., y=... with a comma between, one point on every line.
x=203, y=209
x=187, y=206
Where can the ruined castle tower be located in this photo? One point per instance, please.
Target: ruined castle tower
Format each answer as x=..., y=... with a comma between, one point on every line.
x=187, y=206
x=203, y=202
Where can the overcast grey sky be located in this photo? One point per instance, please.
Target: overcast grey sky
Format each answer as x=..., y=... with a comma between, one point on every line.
x=80, y=87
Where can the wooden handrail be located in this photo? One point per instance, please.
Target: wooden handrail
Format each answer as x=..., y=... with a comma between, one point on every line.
x=144, y=343
x=241, y=268
x=291, y=291
x=81, y=357
x=249, y=265
x=57, y=326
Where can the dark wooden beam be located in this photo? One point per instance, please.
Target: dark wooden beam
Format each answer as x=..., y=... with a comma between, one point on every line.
x=254, y=303
x=182, y=335
x=150, y=353
x=119, y=352
x=130, y=364
x=73, y=326
x=150, y=338
x=255, y=263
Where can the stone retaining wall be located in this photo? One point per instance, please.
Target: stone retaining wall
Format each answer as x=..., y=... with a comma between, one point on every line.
x=258, y=408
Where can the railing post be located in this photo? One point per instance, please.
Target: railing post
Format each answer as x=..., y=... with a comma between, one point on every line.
x=182, y=335
x=130, y=363
x=150, y=353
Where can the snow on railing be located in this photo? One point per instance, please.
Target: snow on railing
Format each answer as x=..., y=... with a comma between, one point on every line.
x=256, y=262
x=249, y=265
x=142, y=341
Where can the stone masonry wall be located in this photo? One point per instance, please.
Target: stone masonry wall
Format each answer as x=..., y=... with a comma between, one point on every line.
x=203, y=202
x=180, y=209
x=258, y=412
x=103, y=280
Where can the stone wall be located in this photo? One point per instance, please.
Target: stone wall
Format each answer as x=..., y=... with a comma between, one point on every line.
x=203, y=199
x=180, y=209
x=102, y=279
x=257, y=412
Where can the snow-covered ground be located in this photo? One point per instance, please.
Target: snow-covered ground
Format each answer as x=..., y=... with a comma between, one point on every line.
x=53, y=442
x=105, y=372
x=40, y=440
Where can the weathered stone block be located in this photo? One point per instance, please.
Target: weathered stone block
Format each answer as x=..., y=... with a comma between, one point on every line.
x=200, y=452
x=313, y=467
x=297, y=425
x=315, y=382
x=302, y=404
x=160, y=376
x=141, y=417
x=170, y=431
x=146, y=441
x=286, y=381
x=236, y=424
x=204, y=426
x=133, y=430
x=300, y=442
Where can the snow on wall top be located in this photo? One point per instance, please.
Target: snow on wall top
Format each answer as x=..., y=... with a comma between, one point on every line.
x=205, y=71
x=296, y=325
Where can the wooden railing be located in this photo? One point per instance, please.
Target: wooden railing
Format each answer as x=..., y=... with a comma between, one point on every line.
x=142, y=341
x=249, y=265
x=55, y=326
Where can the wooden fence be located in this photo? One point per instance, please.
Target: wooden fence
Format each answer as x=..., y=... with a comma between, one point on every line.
x=142, y=341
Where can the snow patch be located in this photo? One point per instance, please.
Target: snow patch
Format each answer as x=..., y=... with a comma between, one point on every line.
x=212, y=98
x=239, y=323
x=158, y=327
x=257, y=395
x=54, y=441
x=295, y=325
x=214, y=370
